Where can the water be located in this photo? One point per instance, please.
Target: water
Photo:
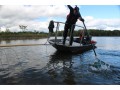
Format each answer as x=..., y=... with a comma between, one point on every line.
x=43, y=65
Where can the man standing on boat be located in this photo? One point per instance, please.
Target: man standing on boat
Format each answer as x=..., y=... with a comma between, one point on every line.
x=71, y=21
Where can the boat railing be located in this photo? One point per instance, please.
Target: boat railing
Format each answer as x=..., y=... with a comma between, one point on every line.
x=71, y=33
x=67, y=23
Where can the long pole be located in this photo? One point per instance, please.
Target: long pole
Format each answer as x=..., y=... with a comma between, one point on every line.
x=91, y=43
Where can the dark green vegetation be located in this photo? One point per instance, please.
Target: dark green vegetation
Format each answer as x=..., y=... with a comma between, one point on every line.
x=37, y=35
x=104, y=33
x=22, y=35
x=97, y=32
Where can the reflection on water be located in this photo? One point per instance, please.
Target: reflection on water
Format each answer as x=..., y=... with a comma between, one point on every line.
x=33, y=41
x=61, y=64
x=43, y=65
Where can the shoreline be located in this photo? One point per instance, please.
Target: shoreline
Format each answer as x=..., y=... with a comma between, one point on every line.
x=31, y=38
x=21, y=38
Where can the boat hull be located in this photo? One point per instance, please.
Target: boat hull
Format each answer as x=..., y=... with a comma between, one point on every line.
x=71, y=49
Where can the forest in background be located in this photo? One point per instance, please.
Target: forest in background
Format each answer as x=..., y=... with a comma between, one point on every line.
x=22, y=35
x=38, y=35
x=96, y=32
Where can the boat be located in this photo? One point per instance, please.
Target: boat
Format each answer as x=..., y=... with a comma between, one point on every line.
x=78, y=46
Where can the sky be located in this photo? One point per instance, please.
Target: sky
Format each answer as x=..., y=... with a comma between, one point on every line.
x=37, y=17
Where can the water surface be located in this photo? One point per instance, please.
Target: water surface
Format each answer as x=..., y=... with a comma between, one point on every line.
x=43, y=65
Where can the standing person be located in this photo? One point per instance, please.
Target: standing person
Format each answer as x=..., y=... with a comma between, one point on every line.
x=71, y=20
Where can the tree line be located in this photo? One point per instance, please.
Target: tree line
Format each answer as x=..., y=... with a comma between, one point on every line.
x=104, y=33
x=22, y=35
x=37, y=34
x=96, y=32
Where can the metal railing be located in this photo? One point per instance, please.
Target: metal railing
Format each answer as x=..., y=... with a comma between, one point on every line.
x=71, y=33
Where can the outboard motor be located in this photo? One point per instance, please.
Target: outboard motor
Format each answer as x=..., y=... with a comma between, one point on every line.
x=51, y=26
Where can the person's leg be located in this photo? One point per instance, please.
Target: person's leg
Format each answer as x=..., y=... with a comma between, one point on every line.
x=65, y=33
x=71, y=32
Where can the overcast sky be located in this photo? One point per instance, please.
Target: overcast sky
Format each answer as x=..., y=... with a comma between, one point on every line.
x=37, y=17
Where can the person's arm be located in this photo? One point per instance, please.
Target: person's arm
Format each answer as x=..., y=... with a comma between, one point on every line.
x=71, y=9
x=80, y=18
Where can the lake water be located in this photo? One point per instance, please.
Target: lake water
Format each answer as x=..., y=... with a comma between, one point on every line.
x=43, y=65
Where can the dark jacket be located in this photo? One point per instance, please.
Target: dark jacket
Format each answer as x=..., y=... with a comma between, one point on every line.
x=71, y=17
